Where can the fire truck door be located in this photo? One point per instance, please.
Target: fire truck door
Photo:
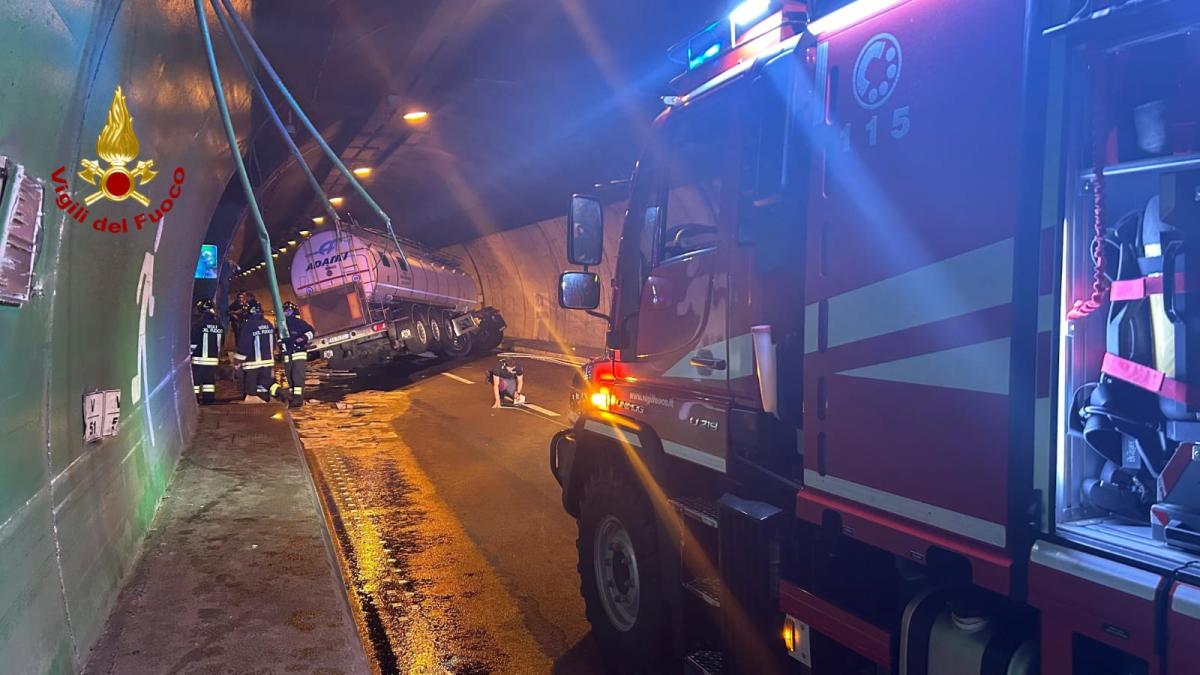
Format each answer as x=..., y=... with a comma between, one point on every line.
x=683, y=361
x=1183, y=629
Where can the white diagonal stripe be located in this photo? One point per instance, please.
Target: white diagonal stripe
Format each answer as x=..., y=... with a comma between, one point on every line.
x=966, y=283
x=540, y=409
x=457, y=378
x=945, y=519
x=979, y=367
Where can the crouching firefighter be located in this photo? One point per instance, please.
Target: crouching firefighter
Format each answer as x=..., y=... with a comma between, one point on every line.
x=295, y=350
x=256, y=355
x=206, y=345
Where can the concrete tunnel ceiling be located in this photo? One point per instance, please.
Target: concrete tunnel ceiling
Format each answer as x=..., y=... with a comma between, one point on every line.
x=529, y=101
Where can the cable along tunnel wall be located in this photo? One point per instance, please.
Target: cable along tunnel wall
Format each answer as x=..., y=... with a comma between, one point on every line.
x=110, y=310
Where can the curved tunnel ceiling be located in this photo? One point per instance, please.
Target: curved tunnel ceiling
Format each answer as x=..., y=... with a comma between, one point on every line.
x=529, y=101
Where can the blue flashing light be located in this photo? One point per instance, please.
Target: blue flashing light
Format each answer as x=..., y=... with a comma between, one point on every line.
x=705, y=57
x=749, y=11
x=850, y=15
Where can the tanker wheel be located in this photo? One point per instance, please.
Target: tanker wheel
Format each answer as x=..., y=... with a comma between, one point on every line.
x=619, y=563
x=419, y=343
x=453, y=346
x=436, y=335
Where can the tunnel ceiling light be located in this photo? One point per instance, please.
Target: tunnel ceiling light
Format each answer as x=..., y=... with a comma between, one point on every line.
x=749, y=11
x=362, y=171
x=319, y=220
x=291, y=242
x=305, y=233
x=337, y=201
x=274, y=255
x=416, y=116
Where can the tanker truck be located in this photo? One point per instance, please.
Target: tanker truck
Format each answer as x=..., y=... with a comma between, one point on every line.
x=898, y=374
x=372, y=303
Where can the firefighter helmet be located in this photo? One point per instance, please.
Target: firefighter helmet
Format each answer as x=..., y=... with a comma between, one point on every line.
x=204, y=305
x=254, y=308
x=290, y=306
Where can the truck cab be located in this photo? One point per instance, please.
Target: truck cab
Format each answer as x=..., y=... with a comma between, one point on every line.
x=890, y=365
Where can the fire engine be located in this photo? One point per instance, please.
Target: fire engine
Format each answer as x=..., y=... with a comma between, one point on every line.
x=899, y=372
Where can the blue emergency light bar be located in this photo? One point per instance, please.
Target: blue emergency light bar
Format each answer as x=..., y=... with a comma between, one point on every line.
x=723, y=35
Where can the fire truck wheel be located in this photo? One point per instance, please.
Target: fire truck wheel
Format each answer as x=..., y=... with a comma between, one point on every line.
x=619, y=573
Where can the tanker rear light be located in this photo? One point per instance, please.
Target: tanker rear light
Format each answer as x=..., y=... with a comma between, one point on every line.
x=379, y=327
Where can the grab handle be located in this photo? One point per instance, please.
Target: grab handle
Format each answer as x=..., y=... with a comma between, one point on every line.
x=1172, y=252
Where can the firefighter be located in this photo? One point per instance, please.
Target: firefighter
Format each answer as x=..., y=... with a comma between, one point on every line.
x=237, y=312
x=206, y=348
x=295, y=351
x=256, y=355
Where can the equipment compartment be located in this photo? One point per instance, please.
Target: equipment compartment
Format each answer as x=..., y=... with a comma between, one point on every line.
x=1127, y=382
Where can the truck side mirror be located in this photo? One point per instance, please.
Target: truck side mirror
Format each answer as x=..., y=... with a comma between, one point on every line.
x=579, y=290
x=585, y=230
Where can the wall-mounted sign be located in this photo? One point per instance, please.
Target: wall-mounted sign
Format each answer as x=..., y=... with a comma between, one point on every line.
x=101, y=414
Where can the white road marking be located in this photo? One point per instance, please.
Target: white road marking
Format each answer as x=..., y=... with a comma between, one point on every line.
x=456, y=377
x=541, y=410
x=530, y=412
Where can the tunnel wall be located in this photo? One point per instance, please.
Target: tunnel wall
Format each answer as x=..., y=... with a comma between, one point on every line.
x=518, y=270
x=110, y=310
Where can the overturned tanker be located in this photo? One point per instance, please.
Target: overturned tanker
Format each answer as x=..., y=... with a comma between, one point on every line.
x=372, y=303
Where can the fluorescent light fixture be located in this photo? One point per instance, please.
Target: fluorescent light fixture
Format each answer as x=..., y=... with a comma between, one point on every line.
x=319, y=220
x=416, y=116
x=337, y=201
x=749, y=11
x=362, y=171
x=850, y=15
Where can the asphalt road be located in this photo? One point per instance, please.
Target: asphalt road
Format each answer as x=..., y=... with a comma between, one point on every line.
x=458, y=555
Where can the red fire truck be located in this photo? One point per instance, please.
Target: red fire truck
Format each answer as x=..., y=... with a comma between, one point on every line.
x=899, y=374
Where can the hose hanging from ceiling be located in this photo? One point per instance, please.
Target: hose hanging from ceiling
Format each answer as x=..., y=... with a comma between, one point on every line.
x=274, y=114
x=264, y=237
x=287, y=95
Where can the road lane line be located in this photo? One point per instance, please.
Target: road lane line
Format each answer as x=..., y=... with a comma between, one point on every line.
x=541, y=410
x=540, y=417
x=456, y=377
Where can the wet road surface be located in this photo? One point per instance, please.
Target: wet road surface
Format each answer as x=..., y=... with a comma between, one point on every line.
x=453, y=540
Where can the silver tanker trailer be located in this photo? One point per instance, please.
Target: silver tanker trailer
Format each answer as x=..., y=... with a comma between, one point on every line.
x=371, y=304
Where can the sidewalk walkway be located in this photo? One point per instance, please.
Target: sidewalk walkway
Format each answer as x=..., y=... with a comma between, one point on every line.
x=236, y=575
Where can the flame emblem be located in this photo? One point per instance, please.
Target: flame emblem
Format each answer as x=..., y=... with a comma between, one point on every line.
x=118, y=145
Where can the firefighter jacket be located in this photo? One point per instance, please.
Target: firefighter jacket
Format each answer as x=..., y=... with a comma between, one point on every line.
x=256, y=343
x=206, y=339
x=300, y=332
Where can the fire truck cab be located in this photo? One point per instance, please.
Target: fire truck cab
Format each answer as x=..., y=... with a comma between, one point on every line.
x=898, y=374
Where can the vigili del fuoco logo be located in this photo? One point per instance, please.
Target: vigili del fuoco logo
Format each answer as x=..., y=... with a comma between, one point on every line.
x=117, y=146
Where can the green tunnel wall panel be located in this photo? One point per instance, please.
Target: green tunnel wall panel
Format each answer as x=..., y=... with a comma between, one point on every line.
x=73, y=516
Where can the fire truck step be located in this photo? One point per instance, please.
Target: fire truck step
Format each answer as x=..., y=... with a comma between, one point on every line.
x=704, y=663
x=697, y=508
x=707, y=589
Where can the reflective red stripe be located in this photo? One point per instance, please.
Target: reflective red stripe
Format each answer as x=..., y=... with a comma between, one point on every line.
x=1142, y=287
x=1145, y=377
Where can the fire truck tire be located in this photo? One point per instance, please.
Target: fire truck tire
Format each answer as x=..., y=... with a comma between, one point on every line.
x=619, y=574
x=419, y=343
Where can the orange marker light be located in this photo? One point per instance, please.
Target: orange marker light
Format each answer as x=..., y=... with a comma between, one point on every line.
x=416, y=116
x=603, y=399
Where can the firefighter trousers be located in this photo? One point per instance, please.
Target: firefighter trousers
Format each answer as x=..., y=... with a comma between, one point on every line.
x=260, y=382
x=204, y=380
x=296, y=369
